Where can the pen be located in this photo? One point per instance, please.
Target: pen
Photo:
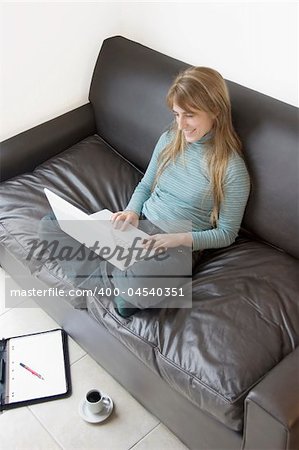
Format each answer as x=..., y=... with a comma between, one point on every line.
x=32, y=371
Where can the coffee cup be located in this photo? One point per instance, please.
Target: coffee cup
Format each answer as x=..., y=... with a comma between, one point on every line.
x=96, y=401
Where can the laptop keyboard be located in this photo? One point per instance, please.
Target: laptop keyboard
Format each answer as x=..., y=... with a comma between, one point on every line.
x=127, y=245
x=122, y=243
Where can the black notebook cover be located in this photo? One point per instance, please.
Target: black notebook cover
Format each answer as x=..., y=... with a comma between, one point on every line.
x=34, y=368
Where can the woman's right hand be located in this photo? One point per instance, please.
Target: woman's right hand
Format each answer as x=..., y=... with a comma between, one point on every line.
x=122, y=219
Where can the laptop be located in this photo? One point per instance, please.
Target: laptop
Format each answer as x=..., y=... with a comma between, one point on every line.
x=120, y=247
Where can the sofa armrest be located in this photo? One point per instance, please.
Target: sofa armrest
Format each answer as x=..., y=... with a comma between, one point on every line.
x=23, y=152
x=272, y=409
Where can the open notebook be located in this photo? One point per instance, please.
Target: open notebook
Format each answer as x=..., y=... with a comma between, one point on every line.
x=34, y=368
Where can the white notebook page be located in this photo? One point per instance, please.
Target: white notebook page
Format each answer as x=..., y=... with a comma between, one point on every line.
x=42, y=353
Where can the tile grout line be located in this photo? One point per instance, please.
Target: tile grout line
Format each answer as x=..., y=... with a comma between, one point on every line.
x=4, y=276
x=79, y=359
x=19, y=305
x=143, y=437
x=44, y=427
x=41, y=423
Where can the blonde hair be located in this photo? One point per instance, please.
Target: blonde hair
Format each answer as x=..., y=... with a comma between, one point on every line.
x=204, y=89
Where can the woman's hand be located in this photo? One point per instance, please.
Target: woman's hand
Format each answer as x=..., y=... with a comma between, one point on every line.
x=122, y=219
x=170, y=240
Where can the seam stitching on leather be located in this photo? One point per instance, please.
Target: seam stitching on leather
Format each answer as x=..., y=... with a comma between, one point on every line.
x=123, y=325
x=119, y=154
x=271, y=415
x=193, y=377
x=14, y=238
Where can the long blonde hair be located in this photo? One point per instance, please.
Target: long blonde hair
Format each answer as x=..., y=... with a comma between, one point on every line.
x=204, y=89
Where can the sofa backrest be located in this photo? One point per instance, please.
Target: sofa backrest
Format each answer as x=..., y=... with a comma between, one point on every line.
x=128, y=90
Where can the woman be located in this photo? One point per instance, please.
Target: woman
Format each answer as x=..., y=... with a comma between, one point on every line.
x=196, y=174
x=215, y=177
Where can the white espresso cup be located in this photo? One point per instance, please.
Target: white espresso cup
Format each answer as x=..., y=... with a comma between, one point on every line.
x=95, y=401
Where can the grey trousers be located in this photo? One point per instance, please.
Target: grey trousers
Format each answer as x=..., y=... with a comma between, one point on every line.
x=153, y=282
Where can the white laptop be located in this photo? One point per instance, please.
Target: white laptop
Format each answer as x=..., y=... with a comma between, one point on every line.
x=96, y=232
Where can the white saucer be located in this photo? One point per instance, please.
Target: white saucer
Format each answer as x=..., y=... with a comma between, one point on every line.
x=95, y=418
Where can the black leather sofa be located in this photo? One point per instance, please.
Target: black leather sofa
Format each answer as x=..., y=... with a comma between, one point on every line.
x=224, y=374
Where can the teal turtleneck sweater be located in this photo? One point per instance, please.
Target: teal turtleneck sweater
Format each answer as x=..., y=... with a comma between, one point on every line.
x=182, y=199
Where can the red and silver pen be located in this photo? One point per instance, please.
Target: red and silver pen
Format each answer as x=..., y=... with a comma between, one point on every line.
x=32, y=371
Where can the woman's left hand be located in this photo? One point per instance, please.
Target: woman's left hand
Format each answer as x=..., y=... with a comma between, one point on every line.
x=166, y=241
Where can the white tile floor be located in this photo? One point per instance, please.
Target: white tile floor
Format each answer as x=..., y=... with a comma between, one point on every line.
x=57, y=424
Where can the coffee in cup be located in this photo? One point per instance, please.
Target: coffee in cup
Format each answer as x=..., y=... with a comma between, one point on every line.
x=95, y=401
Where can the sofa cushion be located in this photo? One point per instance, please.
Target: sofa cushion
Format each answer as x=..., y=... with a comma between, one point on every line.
x=244, y=318
x=88, y=175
